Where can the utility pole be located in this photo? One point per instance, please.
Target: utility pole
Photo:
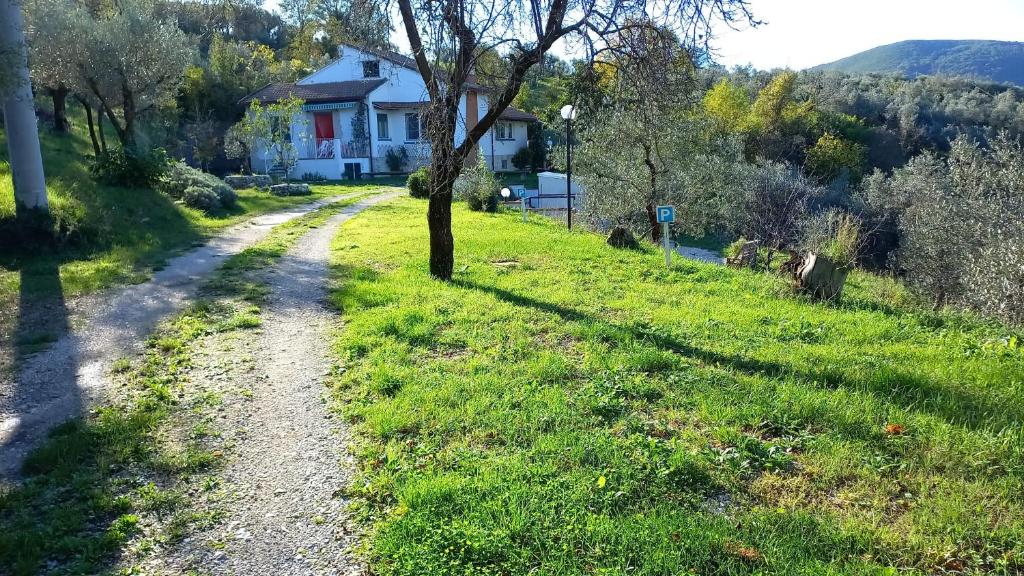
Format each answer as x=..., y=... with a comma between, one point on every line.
x=20, y=116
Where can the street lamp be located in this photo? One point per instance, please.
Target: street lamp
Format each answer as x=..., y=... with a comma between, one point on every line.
x=568, y=114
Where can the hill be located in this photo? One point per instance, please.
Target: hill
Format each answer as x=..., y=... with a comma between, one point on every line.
x=990, y=60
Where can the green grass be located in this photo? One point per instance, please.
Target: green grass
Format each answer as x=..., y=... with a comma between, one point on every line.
x=565, y=408
x=88, y=486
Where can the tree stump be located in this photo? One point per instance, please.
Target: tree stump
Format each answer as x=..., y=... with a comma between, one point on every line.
x=822, y=278
x=621, y=238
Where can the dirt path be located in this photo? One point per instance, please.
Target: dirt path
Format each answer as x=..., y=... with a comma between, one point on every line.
x=69, y=376
x=288, y=466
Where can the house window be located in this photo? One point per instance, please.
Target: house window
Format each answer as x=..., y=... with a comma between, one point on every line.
x=504, y=163
x=382, y=127
x=412, y=127
x=371, y=69
x=504, y=131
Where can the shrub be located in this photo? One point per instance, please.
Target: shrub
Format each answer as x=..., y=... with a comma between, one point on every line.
x=419, y=183
x=835, y=235
x=478, y=187
x=396, y=157
x=180, y=177
x=129, y=168
x=313, y=177
x=522, y=159
x=201, y=197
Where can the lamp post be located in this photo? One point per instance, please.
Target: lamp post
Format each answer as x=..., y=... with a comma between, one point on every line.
x=568, y=114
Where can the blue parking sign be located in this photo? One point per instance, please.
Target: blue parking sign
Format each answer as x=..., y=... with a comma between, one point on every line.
x=666, y=214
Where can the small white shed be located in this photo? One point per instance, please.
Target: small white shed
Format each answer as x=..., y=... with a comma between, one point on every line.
x=551, y=192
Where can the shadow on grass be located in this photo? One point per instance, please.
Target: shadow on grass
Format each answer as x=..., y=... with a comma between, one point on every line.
x=909, y=391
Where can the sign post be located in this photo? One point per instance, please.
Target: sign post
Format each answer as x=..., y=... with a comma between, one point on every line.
x=666, y=215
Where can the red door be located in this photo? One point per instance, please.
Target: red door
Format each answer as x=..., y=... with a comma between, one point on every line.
x=324, y=124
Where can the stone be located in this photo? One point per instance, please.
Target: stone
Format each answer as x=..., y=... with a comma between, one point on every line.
x=621, y=238
x=239, y=181
x=295, y=189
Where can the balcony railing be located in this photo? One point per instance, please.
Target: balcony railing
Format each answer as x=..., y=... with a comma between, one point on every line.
x=329, y=148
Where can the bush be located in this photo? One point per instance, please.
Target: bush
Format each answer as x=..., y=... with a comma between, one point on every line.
x=835, y=235
x=419, y=183
x=396, y=157
x=478, y=187
x=522, y=158
x=313, y=177
x=201, y=197
x=180, y=178
x=129, y=168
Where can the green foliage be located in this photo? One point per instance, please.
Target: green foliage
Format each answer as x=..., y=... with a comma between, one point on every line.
x=419, y=183
x=660, y=422
x=130, y=167
x=396, y=157
x=832, y=157
x=478, y=186
x=728, y=105
x=836, y=235
x=196, y=188
x=522, y=159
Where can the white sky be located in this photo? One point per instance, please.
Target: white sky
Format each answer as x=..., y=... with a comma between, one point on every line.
x=803, y=33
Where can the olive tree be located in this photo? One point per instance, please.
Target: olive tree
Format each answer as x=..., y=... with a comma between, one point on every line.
x=54, y=60
x=129, y=60
x=449, y=38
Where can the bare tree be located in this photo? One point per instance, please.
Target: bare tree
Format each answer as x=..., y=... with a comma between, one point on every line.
x=449, y=38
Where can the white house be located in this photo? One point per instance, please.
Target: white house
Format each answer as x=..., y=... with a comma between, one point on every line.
x=384, y=90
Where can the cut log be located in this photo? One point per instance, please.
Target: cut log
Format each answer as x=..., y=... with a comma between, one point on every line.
x=821, y=278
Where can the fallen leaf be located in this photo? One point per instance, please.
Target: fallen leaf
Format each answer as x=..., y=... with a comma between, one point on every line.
x=894, y=429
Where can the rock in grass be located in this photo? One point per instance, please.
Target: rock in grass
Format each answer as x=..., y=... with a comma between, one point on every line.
x=290, y=190
x=240, y=181
x=621, y=238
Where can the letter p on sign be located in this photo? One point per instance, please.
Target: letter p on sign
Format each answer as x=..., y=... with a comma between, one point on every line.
x=666, y=214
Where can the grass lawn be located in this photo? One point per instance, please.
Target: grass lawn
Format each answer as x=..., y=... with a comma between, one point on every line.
x=125, y=233
x=566, y=408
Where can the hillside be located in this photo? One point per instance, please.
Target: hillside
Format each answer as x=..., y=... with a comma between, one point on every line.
x=1001, y=62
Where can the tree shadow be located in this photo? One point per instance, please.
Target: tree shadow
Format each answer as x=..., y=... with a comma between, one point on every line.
x=32, y=398
x=893, y=384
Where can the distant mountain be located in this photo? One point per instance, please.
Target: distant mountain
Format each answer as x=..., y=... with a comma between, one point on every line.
x=994, y=61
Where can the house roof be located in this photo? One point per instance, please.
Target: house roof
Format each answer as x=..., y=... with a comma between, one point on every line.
x=511, y=113
x=400, y=105
x=348, y=91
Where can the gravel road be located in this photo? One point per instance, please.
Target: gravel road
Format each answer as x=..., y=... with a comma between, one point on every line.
x=69, y=376
x=289, y=466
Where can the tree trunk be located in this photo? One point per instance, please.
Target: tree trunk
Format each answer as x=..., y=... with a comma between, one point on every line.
x=652, y=217
x=439, y=213
x=60, y=115
x=92, y=126
x=99, y=128
x=26, y=160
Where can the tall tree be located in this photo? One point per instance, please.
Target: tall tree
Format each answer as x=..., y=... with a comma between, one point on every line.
x=19, y=114
x=131, y=61
x=448, y=37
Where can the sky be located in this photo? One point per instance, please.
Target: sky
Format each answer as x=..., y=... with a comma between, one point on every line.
x=803, y=33
x=799, y=34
